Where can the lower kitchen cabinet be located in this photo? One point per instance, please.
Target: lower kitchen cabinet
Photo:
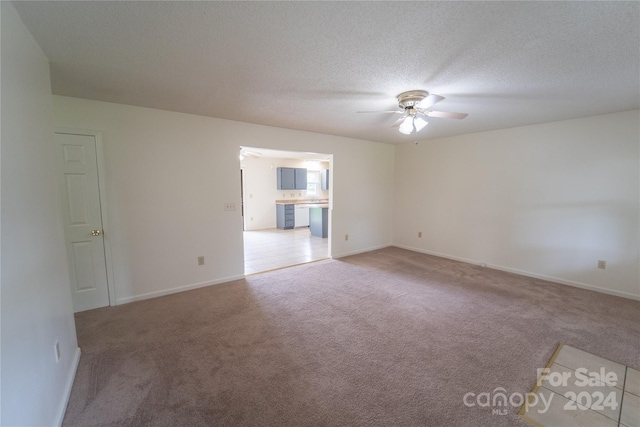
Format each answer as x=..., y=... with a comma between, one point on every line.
x=319, y=222
x=285, y=216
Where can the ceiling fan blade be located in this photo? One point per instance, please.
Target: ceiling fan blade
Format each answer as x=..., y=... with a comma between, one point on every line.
x=445, y=114
x=399, y=121
x=429, y=101
x=395, y=112
x=251, y=154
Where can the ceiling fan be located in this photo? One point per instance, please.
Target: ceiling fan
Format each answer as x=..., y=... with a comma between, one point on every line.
x=415, y=106
x=244, y=153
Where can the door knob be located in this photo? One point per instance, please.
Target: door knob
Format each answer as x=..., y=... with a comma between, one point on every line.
x=96, y=232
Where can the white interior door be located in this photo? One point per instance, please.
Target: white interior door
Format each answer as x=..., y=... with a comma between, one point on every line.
x=78, y=179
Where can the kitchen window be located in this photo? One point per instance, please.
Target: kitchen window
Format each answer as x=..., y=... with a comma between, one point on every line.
x=312, y=189
x=313, y=183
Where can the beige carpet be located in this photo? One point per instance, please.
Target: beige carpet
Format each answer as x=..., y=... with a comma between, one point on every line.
x=386, y=338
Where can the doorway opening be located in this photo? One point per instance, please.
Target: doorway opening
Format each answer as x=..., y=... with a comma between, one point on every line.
x=286, y=207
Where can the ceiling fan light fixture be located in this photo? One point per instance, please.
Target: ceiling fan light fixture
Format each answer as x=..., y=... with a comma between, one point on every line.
x=419, y=123
x=412, y=124
x=407, y=126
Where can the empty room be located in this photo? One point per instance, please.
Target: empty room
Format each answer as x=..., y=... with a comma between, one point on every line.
x=320, y=213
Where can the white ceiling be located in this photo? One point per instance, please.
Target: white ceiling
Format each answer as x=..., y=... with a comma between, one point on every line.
x=313, y=65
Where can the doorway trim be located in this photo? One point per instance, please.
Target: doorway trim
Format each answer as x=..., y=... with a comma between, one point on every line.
x=304, y=155
x=103, y=204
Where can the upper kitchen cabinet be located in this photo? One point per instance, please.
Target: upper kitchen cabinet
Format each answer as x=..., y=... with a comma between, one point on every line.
x=292, y=179
x=301, y=179
x=324, y=178
x=286, y=179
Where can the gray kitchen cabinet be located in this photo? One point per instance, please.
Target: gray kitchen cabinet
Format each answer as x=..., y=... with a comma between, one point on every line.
x=319, y=222
x=292, y=178
x=301, y=178
x=324, y=179
x=285, y=216
x=286, y=179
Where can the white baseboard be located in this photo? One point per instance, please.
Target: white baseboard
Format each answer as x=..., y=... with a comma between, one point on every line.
x=526, y=273
x=360, y=251
x=176, y=290
x=67, y=387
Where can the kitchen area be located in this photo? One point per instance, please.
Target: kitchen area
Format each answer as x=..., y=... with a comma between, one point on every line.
x=303, y=213
x=309, y=212
x=285, y=204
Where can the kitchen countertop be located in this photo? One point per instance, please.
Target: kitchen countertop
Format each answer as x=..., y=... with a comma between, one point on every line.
x=310, y=202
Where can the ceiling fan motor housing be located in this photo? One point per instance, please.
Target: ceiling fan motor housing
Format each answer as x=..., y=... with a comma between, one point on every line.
x=408, y=100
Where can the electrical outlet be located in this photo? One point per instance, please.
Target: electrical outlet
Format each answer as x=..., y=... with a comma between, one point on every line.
x=56, y=349
x=200, y=260
x=602, y=264
x=420, y=234
x=346, y=237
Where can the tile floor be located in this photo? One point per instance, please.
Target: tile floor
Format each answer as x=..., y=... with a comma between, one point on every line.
x=274, y=248
x=585, y=390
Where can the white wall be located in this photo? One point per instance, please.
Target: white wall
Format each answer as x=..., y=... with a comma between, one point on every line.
x=36, y=300
x=547, y=200
x=169, y=174
x=261, y=192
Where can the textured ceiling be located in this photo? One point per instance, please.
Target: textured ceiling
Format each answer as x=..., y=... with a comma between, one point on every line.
x=313, y=65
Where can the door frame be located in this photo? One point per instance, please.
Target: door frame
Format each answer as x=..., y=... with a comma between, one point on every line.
x=106, y=234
